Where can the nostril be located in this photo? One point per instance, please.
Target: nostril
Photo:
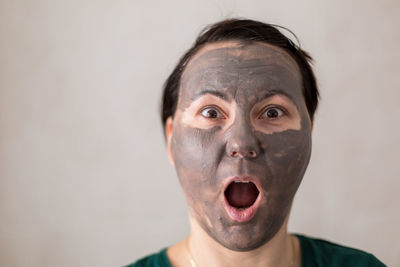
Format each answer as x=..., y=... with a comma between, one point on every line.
x=252, y=154
x=249, y=154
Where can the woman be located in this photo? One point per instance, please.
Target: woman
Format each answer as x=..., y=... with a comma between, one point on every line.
x=238, y=114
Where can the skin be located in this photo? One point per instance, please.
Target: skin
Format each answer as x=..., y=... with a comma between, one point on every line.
x=239, y=85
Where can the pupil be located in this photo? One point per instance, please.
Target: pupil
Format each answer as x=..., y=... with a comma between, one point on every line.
x=272, y=113
x=212, y=113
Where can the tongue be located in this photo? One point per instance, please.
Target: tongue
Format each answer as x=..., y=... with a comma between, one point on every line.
x=241, y=195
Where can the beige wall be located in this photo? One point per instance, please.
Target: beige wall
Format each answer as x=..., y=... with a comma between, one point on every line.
x=84, y=179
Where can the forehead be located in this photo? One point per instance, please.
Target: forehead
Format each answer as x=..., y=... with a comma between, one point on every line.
x=233, y=67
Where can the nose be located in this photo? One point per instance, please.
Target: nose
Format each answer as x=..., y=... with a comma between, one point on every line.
x=242, y=142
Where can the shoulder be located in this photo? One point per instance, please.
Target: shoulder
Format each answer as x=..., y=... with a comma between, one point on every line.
x=319, y=252
x=158, y=259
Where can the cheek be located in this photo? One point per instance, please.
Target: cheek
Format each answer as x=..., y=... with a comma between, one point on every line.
x=196, y=155
x=287, y=159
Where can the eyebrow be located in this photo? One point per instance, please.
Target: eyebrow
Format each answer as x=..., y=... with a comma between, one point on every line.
x=224, y=97
x=273, y=92
x=211, y=92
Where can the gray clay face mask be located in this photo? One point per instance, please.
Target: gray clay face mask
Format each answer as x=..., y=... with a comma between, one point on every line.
x=241, y=140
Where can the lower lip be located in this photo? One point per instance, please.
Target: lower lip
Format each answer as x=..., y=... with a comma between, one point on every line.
x=243, y=215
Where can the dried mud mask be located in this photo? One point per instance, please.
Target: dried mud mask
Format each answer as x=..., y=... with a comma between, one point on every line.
x=238, y=159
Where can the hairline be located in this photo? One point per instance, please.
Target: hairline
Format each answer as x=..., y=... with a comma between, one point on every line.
x=234, y=42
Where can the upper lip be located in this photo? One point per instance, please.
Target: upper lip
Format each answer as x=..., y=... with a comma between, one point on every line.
x=244, y=178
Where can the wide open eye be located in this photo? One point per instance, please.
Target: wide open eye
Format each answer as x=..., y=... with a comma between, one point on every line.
x=272, y=113
x=211, y=113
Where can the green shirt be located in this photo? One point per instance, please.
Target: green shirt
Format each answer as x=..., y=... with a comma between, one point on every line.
x=314, y=252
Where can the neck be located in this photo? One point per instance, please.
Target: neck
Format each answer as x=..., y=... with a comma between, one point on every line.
x=205, y=251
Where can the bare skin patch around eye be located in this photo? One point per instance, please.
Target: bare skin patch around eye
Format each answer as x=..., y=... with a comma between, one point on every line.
x=192, y=116
x=289, y=120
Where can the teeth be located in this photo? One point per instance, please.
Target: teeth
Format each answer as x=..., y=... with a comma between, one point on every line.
x=245, y=182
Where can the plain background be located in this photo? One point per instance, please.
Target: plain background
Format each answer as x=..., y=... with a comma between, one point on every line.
x=84, y=176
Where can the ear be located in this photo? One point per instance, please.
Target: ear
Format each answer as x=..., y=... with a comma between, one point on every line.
x=168, y=135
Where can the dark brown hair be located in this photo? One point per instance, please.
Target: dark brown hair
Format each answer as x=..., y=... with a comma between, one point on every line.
x=242, y=30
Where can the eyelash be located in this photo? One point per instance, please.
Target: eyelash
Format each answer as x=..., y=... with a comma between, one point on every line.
x=283, y=112
x=220, y=114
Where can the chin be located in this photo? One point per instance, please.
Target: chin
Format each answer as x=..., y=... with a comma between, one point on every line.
x=243, y=246
x=243, y=243
x=243, y=238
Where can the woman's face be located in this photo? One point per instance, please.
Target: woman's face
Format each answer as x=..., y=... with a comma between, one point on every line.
x=240, y=140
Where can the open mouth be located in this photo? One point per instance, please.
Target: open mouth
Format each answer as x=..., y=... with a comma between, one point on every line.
x=241, y=194
x=242, y=199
